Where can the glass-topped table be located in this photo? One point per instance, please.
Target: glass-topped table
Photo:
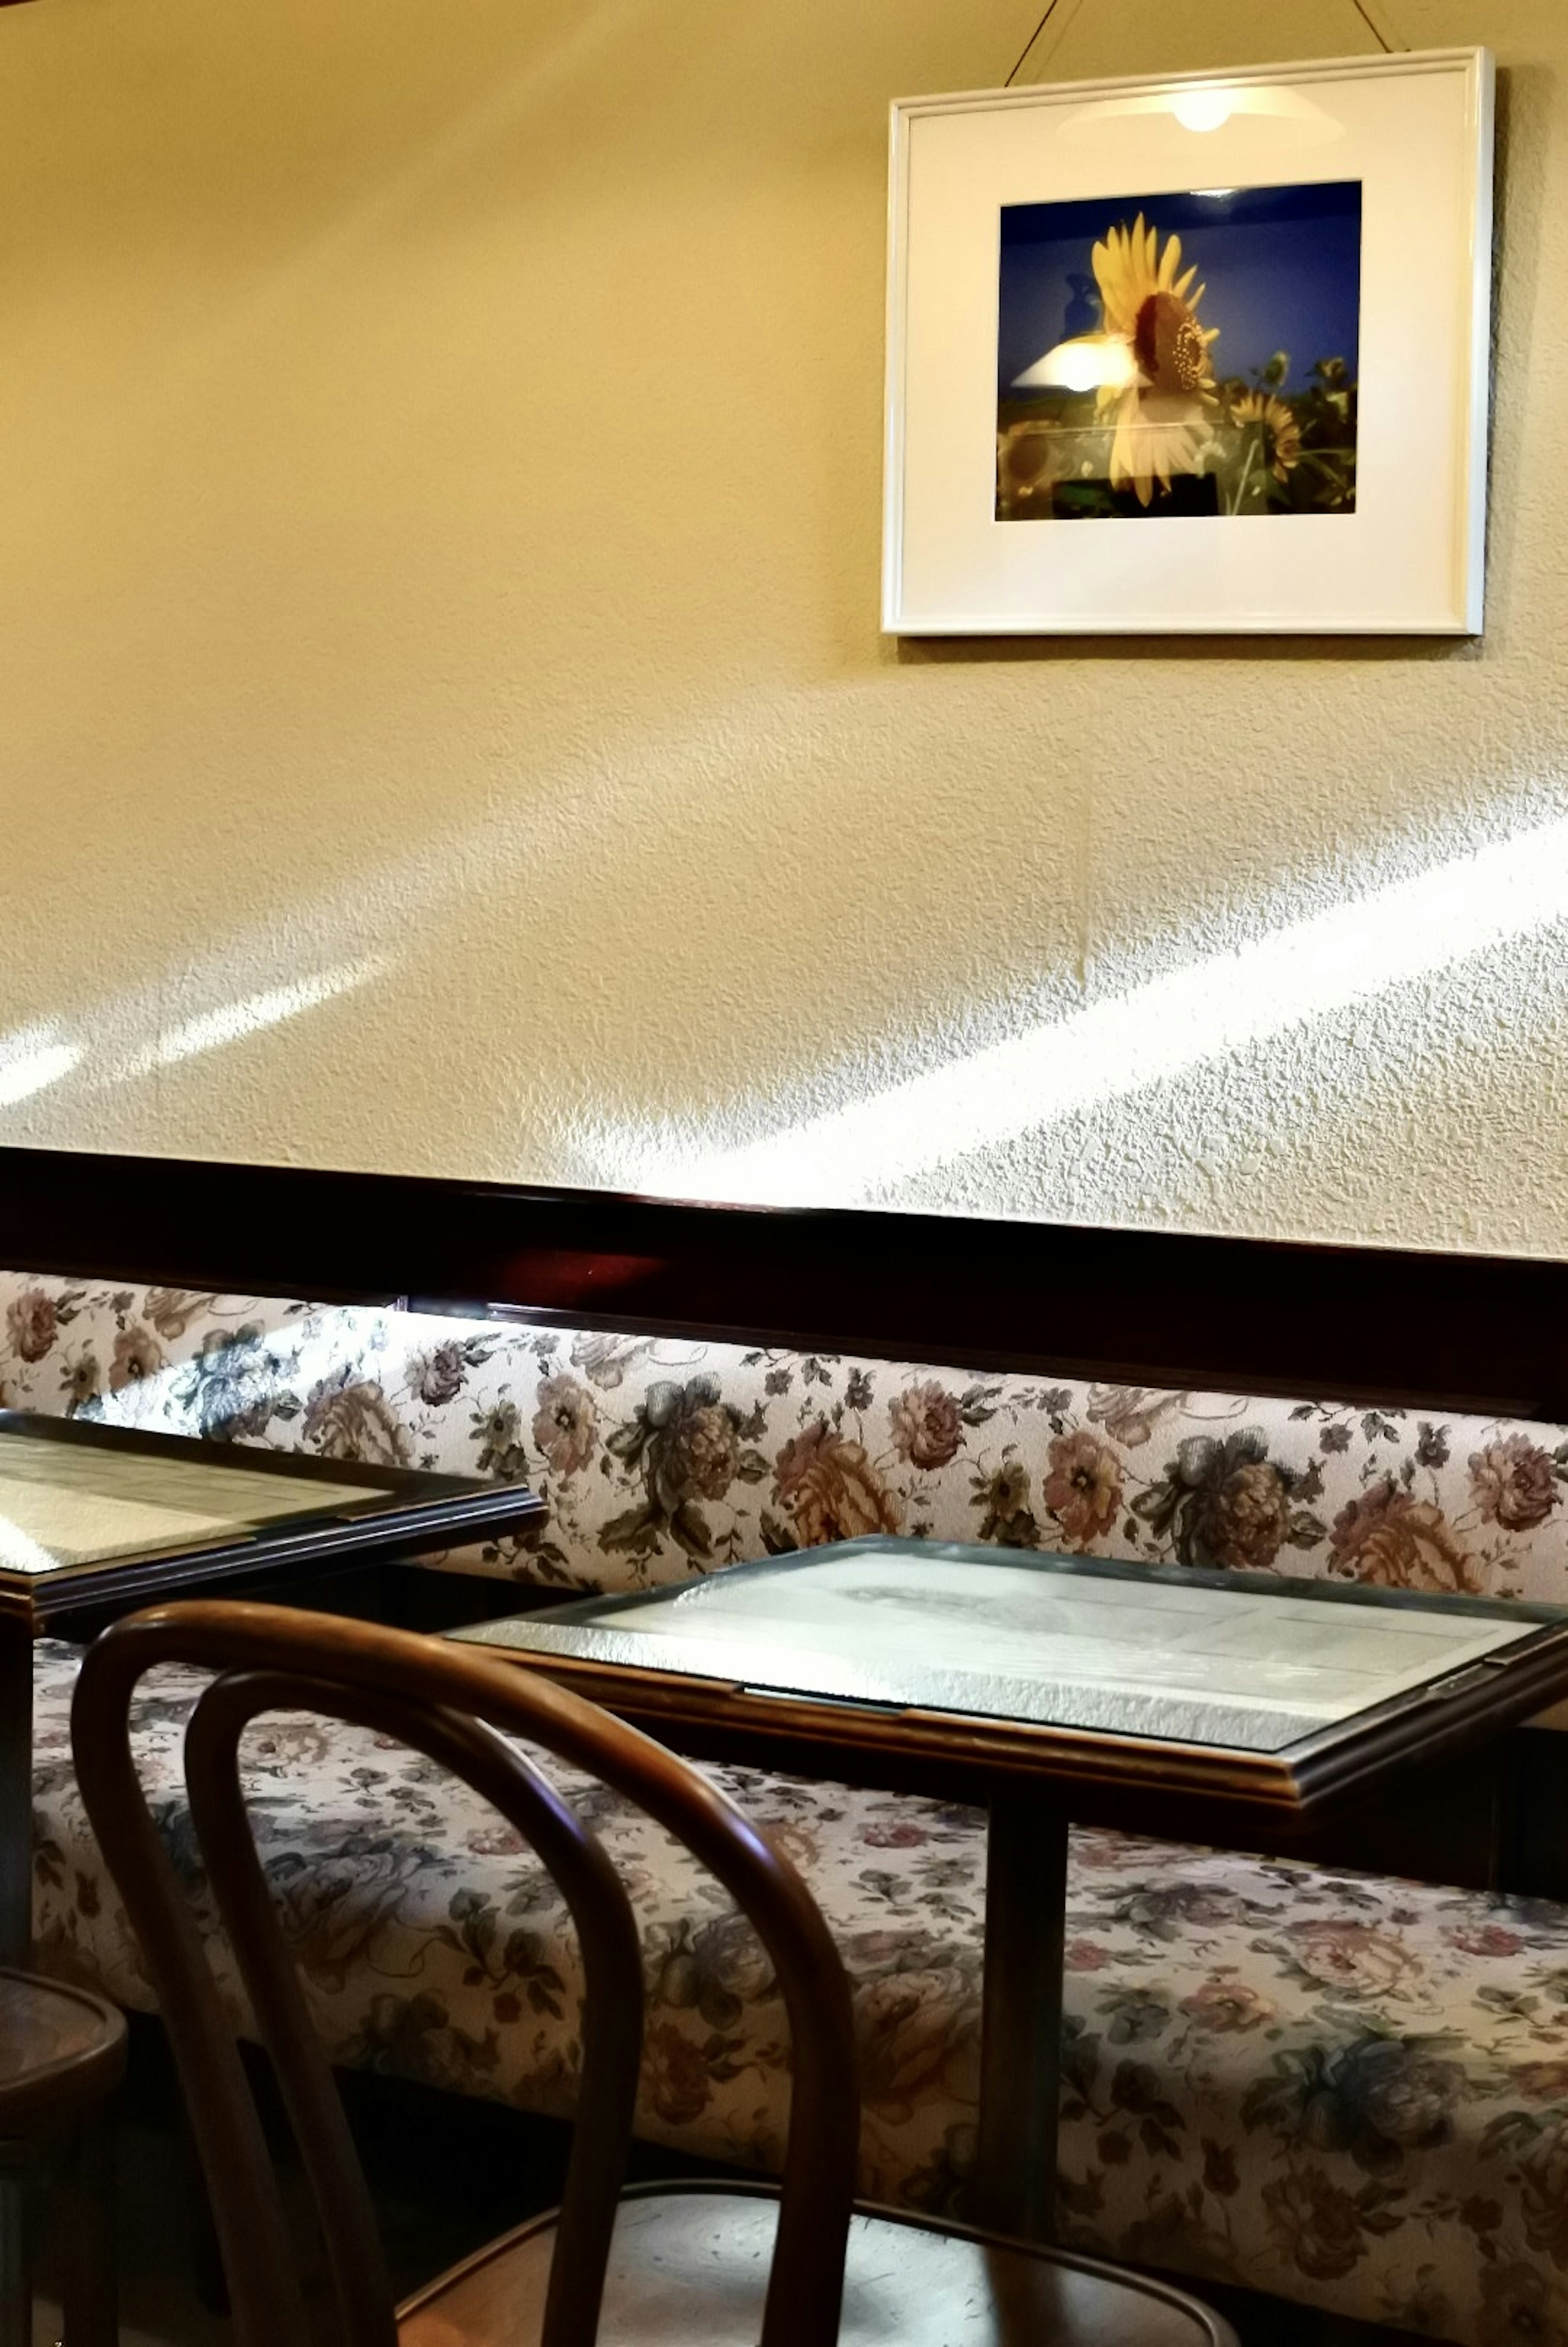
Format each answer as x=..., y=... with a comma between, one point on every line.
x=1196, y=1705
x=96, y=1519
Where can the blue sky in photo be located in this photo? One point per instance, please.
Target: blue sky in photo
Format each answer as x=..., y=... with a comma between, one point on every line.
x=1283, y=267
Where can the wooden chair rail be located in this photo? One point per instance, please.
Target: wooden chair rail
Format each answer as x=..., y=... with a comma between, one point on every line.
x=1376, y=1324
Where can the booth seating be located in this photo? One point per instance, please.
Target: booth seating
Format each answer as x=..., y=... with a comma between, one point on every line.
x=1341, y=2088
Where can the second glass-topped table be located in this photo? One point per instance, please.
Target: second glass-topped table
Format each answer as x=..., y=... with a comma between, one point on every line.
x=1202, y=1706
x=1049, y=1641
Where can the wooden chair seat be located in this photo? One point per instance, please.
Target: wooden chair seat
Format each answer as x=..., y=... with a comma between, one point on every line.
x=692, y=2262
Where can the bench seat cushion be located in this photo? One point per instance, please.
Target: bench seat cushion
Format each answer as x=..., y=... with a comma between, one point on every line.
x=1345, y=2090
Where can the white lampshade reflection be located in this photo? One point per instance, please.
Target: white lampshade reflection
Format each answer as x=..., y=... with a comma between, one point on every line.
x=1204, y=108
x=1087, y=362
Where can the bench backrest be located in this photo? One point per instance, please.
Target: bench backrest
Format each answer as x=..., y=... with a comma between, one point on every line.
x=666, y=1456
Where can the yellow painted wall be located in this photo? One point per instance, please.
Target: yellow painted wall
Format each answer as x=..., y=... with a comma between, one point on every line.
x=443, y=724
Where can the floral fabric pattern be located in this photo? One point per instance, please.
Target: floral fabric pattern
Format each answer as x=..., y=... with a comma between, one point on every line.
x=1328, y=2086
x=666, y=1456
x=1345, y=2090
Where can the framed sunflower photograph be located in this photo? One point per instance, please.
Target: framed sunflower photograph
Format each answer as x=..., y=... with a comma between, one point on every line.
x=1202, y=304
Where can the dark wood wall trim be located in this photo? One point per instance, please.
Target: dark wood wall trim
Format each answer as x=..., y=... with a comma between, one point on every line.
x=1143, y=1307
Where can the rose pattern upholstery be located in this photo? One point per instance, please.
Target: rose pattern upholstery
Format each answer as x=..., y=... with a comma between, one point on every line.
x=662, y=1457
x=1339, y=2088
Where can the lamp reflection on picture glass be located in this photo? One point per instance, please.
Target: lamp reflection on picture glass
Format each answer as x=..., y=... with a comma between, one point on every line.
x=1204, y=109
x=1087, y=362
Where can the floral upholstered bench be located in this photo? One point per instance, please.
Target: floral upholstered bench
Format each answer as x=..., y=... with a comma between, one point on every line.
x=1348, y=2090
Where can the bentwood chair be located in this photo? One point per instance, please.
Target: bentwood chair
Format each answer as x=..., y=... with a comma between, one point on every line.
x=662, y=2267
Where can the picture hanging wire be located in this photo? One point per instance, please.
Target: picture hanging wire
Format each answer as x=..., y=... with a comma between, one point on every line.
x=1373, y=28
x=1029, y=44
x=1365, y=14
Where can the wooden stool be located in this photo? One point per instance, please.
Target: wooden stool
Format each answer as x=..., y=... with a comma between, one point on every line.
x=62, y=2056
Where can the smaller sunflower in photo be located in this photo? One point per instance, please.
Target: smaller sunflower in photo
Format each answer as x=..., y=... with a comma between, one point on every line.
x=1278, y=443
x=1277, y=451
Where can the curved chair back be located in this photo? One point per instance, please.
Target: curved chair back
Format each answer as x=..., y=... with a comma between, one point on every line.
x=458, y=1708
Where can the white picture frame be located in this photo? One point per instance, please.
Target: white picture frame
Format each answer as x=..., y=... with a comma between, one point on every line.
x=1377, y=528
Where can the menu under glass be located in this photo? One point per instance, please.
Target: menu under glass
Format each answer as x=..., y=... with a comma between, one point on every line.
x=64, y=1504
x=935, y=1628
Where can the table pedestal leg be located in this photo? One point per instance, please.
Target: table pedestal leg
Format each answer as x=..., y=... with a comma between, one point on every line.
x=16, y=1948
x=16, y=1794
x=1014, y=2187
x=90, y=2287
x=15, y=2248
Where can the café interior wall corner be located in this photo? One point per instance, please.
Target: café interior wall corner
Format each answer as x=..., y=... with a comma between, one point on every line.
x=446, y=724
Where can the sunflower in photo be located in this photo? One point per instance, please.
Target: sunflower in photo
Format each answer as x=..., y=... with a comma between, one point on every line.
x=1160, y=404
x=1279, y=432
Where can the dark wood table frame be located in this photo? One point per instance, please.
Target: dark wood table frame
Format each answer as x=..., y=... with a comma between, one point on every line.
x=434, y=1511
x=1036, y=1781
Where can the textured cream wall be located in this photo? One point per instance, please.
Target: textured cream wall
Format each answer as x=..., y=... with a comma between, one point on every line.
x=444, y=724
